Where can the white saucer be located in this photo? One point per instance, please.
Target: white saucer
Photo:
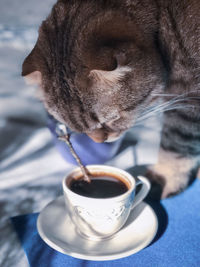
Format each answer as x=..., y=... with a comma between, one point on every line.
x=57, y=230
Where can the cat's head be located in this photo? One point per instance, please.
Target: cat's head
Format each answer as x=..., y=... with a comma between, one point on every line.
x=97, y=65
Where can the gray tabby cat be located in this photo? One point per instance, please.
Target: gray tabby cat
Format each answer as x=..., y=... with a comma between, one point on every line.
x=103, y=65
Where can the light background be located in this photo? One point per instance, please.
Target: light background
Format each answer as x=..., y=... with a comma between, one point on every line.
x=31, y=169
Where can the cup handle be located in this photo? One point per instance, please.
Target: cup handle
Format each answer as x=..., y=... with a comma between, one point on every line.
x=143, y=191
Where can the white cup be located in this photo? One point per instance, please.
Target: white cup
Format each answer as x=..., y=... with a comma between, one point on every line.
x=99, y=218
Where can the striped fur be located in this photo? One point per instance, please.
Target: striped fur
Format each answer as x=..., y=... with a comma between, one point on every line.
x=106, y=65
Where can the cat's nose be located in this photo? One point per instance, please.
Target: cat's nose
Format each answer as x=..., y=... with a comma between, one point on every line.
x=98, y=136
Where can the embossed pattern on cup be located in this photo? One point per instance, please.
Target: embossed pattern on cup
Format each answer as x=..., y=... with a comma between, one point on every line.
x=97, y=218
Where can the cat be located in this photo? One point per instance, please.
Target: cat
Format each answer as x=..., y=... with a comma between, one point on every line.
x=103, y=66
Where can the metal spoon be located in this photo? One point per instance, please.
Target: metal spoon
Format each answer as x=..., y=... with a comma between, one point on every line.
x=64, y=135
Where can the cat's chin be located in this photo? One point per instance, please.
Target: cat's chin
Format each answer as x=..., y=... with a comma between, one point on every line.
x=112, y=139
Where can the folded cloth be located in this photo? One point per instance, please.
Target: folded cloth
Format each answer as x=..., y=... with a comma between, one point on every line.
x=177, y=242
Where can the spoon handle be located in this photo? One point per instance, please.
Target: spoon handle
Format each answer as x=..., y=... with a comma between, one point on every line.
x=63, y=135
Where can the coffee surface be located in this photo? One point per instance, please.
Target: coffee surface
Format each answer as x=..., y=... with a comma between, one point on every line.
x=100, y=187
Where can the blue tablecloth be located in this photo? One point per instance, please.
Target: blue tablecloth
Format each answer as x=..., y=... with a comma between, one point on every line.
x=177, y=242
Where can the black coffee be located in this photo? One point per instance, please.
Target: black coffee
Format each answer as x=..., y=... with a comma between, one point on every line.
x=101, y=186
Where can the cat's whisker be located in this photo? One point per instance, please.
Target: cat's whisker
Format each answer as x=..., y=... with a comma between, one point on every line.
x=165, y=106
x=186, y=94
x=156, y=111
x=160, y=94
x=140, y=120
x=159, y=107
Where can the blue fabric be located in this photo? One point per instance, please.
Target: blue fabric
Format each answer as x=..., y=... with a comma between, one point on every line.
x=88, y=151
x=177, y=242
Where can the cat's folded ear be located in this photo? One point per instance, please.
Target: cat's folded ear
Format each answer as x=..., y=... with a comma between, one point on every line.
x=30, y=71
x=109, y=77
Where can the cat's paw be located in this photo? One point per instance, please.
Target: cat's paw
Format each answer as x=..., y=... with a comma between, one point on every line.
x=163, y=187
x=170, y=175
